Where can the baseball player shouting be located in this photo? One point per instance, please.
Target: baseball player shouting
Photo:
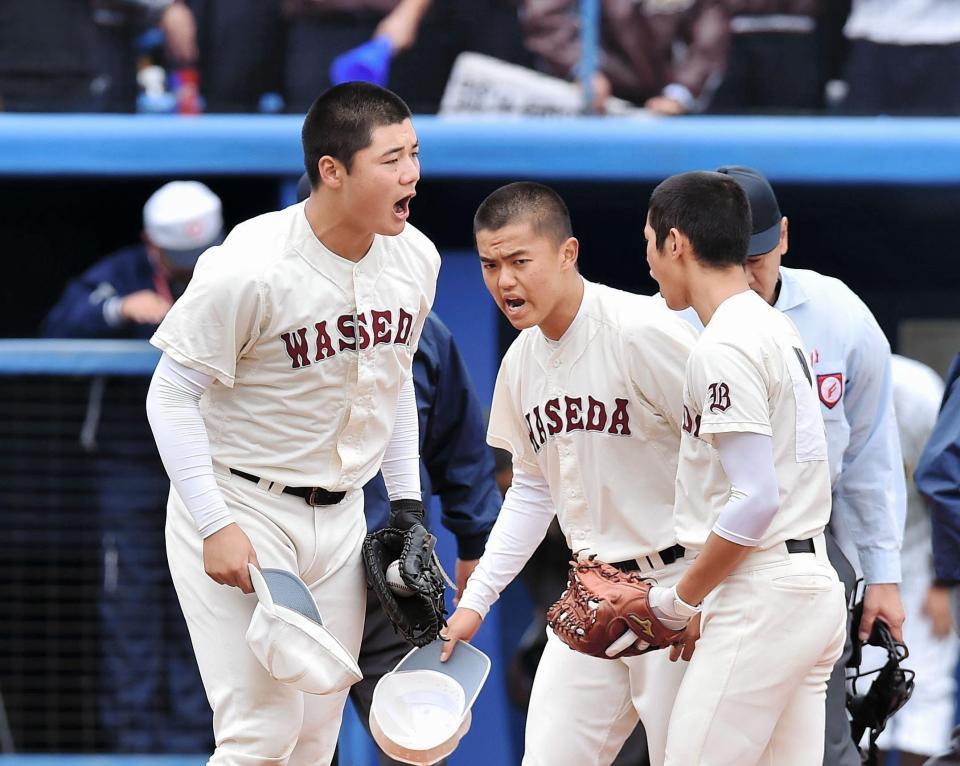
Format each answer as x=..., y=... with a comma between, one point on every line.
x=284, y=384
x=753, y=497
x=588, y=401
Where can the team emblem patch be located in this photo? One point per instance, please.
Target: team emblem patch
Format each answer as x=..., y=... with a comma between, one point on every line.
x=719, y=397
x=830, y=388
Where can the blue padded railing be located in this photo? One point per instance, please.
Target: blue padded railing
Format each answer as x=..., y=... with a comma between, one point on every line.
x=790, y=149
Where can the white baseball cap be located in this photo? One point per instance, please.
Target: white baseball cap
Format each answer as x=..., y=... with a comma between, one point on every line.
x=287, y=636
x=421, y=709
x=183, y=218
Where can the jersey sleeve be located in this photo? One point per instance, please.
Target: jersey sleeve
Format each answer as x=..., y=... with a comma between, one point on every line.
x=216, y=320
x=507, y=428
x=730, y=389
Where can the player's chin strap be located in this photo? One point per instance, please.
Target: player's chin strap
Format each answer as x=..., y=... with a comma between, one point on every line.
x=889, y=691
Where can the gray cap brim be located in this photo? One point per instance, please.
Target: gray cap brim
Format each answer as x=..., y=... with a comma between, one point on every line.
x=468, y=666
x=764, y=241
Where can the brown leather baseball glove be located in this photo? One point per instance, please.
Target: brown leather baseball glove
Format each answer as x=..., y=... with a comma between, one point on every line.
x=601, y=603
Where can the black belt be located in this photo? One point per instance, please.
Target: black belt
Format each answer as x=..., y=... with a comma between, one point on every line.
x=800, y=546
x=668, y=555
x=313, y=495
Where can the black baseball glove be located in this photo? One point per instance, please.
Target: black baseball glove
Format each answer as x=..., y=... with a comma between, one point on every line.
x=419, y=616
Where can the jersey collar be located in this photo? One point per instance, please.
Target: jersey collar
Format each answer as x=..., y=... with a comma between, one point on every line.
x=792, y=293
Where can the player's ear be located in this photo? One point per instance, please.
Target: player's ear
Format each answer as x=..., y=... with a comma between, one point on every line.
x=331, y=171
x=784, y=236
x=569, y=252
x=675, y=244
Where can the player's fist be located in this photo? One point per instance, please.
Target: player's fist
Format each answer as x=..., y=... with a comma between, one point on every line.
x=144, y=307
x=461, y=627
x=226, y=554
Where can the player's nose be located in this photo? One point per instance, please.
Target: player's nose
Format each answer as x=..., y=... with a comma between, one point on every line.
x=411, y=172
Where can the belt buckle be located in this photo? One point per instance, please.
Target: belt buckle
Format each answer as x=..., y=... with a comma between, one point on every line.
x=311, y=498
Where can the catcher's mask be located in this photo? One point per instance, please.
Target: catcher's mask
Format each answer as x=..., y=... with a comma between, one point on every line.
x=421, y=709
x=287, y=636
x=889, y=691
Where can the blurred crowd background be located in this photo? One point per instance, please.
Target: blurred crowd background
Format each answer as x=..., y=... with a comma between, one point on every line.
x=669, y=56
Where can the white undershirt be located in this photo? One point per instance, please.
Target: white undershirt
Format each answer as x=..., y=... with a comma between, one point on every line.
x=522, y=524
x=747, y=459
x=173, y=409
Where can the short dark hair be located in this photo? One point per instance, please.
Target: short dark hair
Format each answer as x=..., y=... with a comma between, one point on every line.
x=540, y=204
x=711, y=209
x=341, y=122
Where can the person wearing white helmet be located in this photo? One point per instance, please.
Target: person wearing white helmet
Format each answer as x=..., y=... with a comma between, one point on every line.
x=150, y=697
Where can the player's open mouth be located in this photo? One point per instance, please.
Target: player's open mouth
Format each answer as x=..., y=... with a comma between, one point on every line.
x=401, y=208
x=514, y=305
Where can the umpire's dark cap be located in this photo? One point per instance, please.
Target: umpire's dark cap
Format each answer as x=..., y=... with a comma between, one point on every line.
x=763, y=207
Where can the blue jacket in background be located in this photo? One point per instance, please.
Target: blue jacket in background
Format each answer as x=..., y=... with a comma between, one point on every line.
x=79, y=312
x=455, y=461
x=938, y=479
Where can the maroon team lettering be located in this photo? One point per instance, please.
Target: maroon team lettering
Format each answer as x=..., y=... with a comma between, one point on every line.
x=576, y=413
x=347, y=332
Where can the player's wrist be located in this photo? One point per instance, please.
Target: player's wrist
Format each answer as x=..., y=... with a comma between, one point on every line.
x=682, y=603
x=406, y=513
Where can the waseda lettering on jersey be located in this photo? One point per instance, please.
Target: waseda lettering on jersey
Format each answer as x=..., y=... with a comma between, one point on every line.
x=576, y=413
x=691, y=425
x=347, y=333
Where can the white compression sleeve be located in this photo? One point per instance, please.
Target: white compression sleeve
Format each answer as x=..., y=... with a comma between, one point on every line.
x=524, y=517
x=173, y=409
x=401, y=460
x=747, y=459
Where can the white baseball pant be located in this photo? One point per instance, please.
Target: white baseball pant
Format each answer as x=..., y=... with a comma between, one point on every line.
x=755, y=690
x=583, y=708
x=258, y=721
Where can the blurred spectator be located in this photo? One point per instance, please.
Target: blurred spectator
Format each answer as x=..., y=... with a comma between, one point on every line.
x=80, y=55
x=119, y=25
x=151, y=697
x=639, y=44
x=775, y=61
x=904, y=57
x=922, y=727
x=425, y=37
x=240, y=52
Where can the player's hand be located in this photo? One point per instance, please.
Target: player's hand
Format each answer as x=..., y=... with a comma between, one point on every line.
x=882, y=600
x=602, y=90
x=463, y=571
x=668, y=107
x=226, y=554
x=463, y=626
x=936, y=608
x=180, y=33
x=144, y=307
x=684, y=650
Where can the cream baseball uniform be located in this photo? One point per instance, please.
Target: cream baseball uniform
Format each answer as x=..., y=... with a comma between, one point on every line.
x=771, y=631
x=308, y=351
x=593, y=420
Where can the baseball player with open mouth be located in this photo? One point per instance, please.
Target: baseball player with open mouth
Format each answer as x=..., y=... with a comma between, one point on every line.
x=753, y=497
x=284, y=384
x=588, y=401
